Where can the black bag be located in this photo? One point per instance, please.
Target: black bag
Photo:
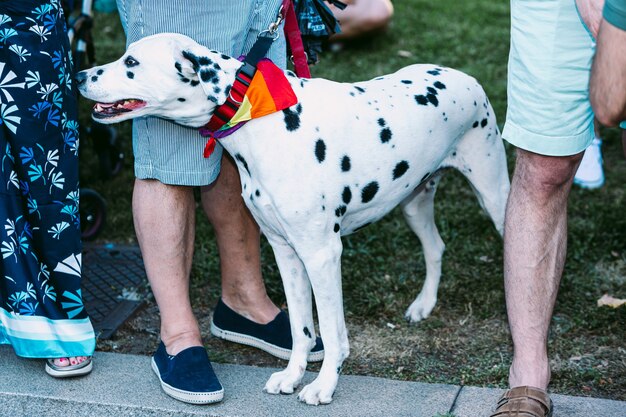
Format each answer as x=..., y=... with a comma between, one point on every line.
x=316, y=23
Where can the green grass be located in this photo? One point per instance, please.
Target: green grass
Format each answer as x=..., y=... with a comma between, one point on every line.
x=466, y=339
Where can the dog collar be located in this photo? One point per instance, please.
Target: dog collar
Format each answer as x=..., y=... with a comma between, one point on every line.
x=256, y=92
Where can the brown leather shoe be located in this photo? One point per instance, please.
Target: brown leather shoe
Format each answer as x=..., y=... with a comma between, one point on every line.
x=524, y=402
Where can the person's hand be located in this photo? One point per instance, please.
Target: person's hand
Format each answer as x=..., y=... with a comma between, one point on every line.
x=591, y=13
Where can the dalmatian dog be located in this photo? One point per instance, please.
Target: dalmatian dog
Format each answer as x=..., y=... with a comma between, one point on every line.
x=340, y=159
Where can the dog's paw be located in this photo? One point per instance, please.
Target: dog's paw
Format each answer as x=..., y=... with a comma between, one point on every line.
x=283, y=382
x=317, y=393
x=420, y=308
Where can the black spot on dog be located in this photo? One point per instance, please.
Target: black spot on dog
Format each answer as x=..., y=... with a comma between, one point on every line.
x=475, y=103
x=359, y=89
x=130, y=74
x=381, y=122
x=421, y=99
x=475, y=125
x=385, y=135
x=434, y=72
x=217, y=90
x=352, y=93
x=400, y=169
x=336, y=228
x=257, y=193
x=431, y=90
x=100, y=72
x=183, y=79
x=320, y=150
x=483, y=123
x=94, y=78
x=369, y=191
x=439, y=85
x=217, y=66
x=340, y=211
x=212, y=99
x=307, y=333
x=240, y=158
x=291, y=74
x=226, y=57
x=292, y=118
x=178, y=67
x=194, y=83
x=209, y=75
x=301, y=83
x=203, y=60
x=346, y=195
x=406, y=82
x=182, y=100
x=345, y=164
x=433, y=99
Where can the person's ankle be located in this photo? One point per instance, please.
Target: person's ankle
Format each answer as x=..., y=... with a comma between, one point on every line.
x=260, y=310
x=177, y=342
x=533, y=373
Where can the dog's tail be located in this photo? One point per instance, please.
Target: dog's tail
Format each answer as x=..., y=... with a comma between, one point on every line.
x=481, y=158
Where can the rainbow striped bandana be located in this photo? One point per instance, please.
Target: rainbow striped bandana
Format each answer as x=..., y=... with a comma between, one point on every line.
x=268, y=92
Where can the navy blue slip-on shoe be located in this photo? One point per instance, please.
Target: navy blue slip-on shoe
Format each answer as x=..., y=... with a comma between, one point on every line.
x=188, y=376
x=273, y=337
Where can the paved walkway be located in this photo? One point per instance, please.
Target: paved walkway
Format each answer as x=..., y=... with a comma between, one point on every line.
x=124, y=385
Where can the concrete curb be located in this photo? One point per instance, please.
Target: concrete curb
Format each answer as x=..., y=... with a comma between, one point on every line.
x=124, y=385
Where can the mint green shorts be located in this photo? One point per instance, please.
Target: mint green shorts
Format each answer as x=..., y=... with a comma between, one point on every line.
x=548, y=78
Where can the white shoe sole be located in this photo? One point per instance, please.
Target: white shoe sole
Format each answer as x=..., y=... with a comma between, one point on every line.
x=273, y=350
x=590, y=185
x=188, y=396
x=59, y=372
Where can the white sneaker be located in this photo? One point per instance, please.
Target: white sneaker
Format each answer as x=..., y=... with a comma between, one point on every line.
x=590, y=174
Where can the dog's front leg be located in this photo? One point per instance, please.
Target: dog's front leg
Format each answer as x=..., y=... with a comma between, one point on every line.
x=323, y=265
x=298, y=293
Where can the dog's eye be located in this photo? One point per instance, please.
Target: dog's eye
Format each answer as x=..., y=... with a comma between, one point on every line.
x=130, y=61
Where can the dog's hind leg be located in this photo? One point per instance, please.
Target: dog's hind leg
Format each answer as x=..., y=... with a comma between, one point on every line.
x=481, y=158
x=323, y=265
x=298, y=292
x=418, y=210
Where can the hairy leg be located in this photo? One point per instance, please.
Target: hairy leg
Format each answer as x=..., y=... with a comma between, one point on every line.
x=238, y=240
x=535, y=242
x=164, y=217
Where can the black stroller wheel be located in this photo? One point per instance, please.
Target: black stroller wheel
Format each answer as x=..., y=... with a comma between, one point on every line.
x=92, y=213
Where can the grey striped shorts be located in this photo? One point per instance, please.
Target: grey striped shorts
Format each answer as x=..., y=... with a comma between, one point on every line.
x=163, y=150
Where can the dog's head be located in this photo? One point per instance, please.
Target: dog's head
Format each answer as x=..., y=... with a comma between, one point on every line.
x=166, y=75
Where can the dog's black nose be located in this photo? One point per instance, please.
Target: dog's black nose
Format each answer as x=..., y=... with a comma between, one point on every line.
x=81, y=77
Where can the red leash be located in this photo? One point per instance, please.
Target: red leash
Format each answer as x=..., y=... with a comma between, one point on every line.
x=294, y=39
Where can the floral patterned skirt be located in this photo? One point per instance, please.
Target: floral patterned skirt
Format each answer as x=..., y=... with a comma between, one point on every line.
x=41, y=308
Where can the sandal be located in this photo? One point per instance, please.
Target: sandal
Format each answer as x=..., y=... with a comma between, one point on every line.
x=79, y=369
x=524, y=402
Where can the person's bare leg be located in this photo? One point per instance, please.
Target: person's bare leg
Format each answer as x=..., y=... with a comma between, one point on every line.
x=164, y=217
x=535, y=242
x=238, y=240
x=361, y=17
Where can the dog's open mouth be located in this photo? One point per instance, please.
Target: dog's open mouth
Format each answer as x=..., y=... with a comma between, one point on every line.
x=106, y=110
